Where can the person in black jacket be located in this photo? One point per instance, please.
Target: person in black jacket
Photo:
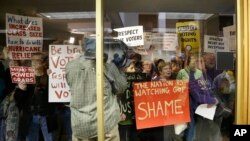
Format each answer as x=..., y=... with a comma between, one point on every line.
x=32, y=101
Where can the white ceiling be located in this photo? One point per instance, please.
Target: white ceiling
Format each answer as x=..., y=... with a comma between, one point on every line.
x=56, y=28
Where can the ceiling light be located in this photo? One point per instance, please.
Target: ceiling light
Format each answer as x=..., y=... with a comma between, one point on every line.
x=3, y=30
x=195, y=16
x=167, y=30
x=68, y=15
x=88, y=30
x=71, y=40
x=87, y=27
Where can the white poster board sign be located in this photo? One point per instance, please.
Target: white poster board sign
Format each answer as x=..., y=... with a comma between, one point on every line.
x=170, y=41
x=214, y=44
x=230, y=37
x=157, y=40
x=147, y=39
x=132, y=36
x=165, y=41
x=59, y=56
x=24, y=36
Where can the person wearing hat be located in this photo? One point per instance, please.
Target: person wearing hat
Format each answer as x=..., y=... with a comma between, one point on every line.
x=81, y=78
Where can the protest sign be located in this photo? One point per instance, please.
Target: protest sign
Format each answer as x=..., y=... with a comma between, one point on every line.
x=229, y=33
x=22, y=74
x=59, y=56
x=132, y=36
x=126, y=101
x=159, y=103
x=213, y=44
x=189, y=36
x=24, y=36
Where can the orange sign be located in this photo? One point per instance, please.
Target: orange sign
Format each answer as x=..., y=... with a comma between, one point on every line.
x=159, y=103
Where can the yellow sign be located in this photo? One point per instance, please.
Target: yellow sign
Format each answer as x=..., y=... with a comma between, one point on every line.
x=188, y=36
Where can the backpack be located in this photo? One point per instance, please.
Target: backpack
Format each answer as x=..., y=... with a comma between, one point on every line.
x=12, y=122
x=4, y=105
x=2, y=82
x=10, y=114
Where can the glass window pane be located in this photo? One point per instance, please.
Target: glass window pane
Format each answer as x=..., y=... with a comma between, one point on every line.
x=180, y=67
x=178, y=58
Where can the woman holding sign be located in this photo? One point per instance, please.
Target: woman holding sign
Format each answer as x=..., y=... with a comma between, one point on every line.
x=162, y=133
x=165, y=71
x=198, y=90
x=165, y=74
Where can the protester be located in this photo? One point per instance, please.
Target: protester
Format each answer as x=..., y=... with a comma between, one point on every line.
x=43, y=116
x=81, y=78
x=165, y=132
x=197, y=94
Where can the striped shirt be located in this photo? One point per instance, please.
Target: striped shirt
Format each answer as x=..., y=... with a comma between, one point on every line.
x=81, y=78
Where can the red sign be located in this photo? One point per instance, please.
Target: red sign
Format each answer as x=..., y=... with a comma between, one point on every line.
x=159, y=103
x=22, y=74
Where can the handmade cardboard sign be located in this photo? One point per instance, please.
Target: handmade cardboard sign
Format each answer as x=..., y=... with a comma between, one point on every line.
x=159, y=103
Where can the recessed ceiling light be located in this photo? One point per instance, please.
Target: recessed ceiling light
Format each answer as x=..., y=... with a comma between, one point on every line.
x=88, y=30
x=194, y=16
x=71, y=40
x=69, y=15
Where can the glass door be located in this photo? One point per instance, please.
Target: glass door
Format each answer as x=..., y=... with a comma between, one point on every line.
x=180, y=67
